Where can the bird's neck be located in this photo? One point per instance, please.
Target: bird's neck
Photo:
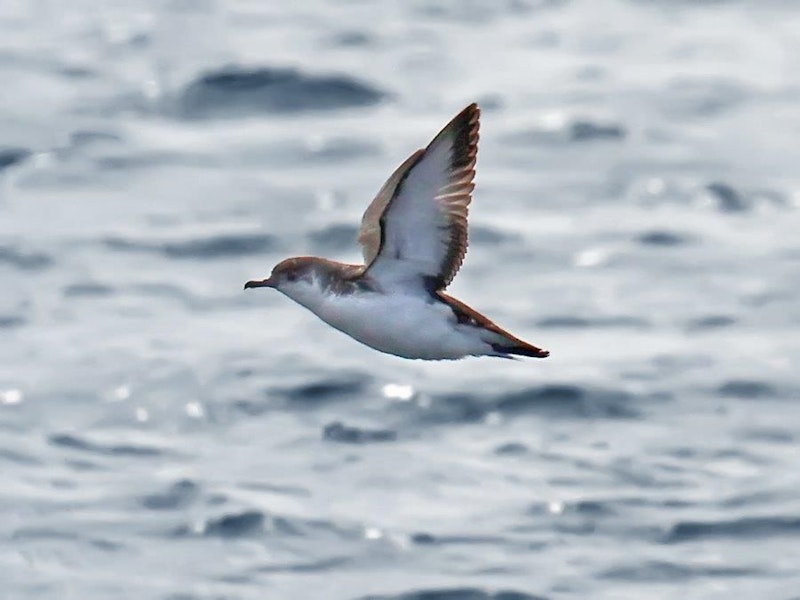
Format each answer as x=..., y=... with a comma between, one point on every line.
x=310, y=296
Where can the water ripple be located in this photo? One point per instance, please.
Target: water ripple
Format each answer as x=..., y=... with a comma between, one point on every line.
x=661, y=237
x=727, y=198
x=457, y=594
x=576, y=322
x=327, y=390
x=10, y=321
x=568, y=400
x=12, y=156
x=553, y=400
x=76, y=442
x=741, y=528
x=212, y=246
x=334, y=238
x=247, y=523
x=313, y=566
x=179, y=495
x=563, y=130
x=87, y=289
x=664, y=571
x=23, y=259
x=710, y=322
x=237, y=91
x=746, y=388
x=349, y=434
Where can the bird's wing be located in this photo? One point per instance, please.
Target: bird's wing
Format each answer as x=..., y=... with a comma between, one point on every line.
x=417, y=224
x=369, y=236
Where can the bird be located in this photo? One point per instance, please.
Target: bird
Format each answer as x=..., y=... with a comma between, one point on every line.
x=413, y=238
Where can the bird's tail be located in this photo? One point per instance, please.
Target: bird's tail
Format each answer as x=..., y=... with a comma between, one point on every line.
x=502, y=342
x=520, y=348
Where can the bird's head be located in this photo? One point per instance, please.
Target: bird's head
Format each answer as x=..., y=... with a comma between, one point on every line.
x=294, y=277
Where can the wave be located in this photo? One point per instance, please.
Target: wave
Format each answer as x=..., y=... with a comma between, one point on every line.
x=741, y=528
x=240, y=91
x=23, y=259
x=349, y=434
x=457, y=594
x=212, y=246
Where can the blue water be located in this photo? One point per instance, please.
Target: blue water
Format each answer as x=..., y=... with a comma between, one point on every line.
x=164, y=435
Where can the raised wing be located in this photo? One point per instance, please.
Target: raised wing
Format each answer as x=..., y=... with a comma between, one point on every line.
x=369, y=236
x=417, y=224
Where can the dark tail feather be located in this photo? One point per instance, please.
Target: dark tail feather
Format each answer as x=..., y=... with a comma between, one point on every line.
x=521, y=350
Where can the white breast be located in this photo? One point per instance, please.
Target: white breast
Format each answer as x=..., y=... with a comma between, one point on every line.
x=404, y=325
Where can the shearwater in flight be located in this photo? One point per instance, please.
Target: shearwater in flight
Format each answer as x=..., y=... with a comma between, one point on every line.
x=413, y=238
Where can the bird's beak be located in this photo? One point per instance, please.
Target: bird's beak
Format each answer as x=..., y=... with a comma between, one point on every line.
x=268, y=282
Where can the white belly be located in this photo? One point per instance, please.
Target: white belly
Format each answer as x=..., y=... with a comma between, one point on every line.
x=407, y=326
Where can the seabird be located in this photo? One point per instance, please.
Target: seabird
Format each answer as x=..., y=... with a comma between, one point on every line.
x=414, y=238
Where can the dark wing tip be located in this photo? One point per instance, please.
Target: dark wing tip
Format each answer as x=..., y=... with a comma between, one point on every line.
x=472, y=110
x=536, y=352
x=462, y=132
x=465, y=127
x=521, y=350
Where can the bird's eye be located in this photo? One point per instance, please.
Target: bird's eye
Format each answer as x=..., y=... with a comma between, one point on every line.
x=291, y=276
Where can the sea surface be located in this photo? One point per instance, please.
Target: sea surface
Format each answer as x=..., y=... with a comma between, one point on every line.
x=165, y=435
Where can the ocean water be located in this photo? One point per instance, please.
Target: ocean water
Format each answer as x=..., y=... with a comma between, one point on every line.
x=165, y=435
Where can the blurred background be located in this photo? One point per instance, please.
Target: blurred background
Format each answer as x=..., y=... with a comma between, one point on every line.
x=166, y=435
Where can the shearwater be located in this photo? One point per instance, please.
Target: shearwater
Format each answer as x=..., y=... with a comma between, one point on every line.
x=414, y=238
